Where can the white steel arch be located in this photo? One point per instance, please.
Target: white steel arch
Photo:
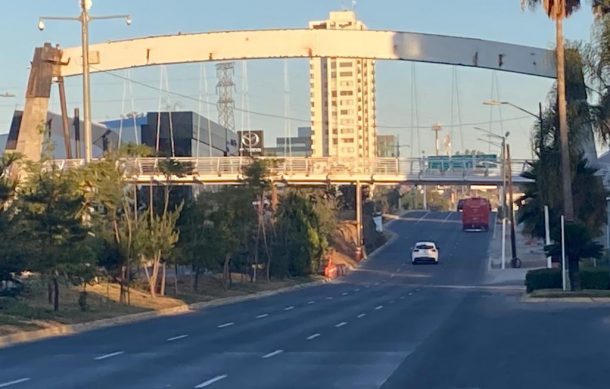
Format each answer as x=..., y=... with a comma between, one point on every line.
x=307, y=43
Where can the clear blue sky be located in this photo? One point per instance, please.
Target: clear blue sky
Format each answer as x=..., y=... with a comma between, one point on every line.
x=501, y=20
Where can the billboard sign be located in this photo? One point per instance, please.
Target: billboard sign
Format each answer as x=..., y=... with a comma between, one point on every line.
x=251, y=143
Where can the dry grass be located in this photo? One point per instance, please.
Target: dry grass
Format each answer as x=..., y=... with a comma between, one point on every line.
x=32, y=311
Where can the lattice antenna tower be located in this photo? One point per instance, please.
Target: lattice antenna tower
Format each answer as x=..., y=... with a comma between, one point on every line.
x=224, y=90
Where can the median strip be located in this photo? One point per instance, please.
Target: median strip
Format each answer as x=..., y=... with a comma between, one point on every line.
x=276, y=352
x=310, y=337
x=229, y=324
x=106, y=356
x=211, y=381
x=15, y=382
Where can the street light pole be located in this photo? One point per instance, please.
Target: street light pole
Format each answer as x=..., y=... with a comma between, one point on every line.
x=84, y=18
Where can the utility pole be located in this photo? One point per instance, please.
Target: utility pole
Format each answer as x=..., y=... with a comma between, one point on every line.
x=436, y=128
x=226, y=103
x=84, y=18
x=515, y=261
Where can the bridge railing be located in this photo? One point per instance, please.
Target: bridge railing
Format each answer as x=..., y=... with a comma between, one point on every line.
x=409, y=168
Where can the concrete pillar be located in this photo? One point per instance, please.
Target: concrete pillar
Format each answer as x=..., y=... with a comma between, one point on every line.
x=45, y=65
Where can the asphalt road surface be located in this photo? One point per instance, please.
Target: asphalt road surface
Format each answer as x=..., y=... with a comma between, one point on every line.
x=388, y=325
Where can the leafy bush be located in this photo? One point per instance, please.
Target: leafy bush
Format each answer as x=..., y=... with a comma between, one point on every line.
x=595, y=278
x=551, y=279
x=542, y=279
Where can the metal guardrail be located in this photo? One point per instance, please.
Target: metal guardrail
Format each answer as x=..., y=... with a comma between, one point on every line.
x=308, y=169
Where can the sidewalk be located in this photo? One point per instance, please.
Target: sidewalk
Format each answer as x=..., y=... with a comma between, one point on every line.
x=529, y=251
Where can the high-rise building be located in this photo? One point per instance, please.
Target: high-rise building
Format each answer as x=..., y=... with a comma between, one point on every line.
x=342, y=92
x=387, y=146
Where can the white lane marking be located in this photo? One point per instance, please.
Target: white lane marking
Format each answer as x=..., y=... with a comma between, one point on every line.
x=357, y=290
x=402, y=297
x=376, y=284
x=105, y=356
x=378, y=307
x=367, y=286
x=361, y=315
x=398, y=270
x=422, y=218
x=177, y=337
x=417, y=290
x=262, y=315
x=392, y=275
x=344, y=294
x=410, y=293
x=15, y=382
x=448, y=216
x=276, y=352
x=290, y=308
x=313, y=336
x=211, y=381
x=341, y=324
x=311, y=302
x=229, y=324
x=329, y=298
x=392, y=301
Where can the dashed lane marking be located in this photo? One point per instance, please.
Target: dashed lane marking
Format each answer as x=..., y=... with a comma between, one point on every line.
x=106, y=356
x=272, y=354
x=177, y=337
x=15, y=382
x=211, y=381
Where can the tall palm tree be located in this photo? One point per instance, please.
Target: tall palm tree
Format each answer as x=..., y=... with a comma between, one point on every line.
x=558, y=10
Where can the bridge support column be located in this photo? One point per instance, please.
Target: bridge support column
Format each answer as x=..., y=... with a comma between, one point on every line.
x=28, y=137
x=274, y=199
x=425, y=197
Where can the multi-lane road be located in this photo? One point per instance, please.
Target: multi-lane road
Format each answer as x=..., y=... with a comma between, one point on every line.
x=387, y=325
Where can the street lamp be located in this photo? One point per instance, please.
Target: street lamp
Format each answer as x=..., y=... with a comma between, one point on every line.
x=84, y=18
x=537, y=116
x=506, y=163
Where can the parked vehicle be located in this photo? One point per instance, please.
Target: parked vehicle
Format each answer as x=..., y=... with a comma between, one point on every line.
x=475, y=214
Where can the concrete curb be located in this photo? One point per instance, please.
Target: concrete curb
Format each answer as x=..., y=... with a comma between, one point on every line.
x=586, y=300
x=71, y=329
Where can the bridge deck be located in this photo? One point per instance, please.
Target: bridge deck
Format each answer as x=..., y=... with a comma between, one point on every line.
x=310, y=171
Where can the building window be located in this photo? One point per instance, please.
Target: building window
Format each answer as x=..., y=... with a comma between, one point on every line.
x=348, y=140
x=346, y=74
x=347, y=93
x=345, y=64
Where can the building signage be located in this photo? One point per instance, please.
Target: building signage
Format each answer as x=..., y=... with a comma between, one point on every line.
x=251, y=143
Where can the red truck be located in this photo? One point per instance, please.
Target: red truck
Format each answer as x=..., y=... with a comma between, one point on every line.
x=475, y=214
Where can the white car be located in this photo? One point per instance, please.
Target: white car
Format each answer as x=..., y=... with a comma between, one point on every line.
x=424, y=252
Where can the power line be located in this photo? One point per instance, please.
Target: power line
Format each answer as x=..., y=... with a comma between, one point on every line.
x=283, y=117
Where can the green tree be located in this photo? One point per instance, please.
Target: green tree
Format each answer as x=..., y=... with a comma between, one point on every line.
x=51, y=207
x=256, y=181
x=114, y=219
x=303, y=235
x=557, y=10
